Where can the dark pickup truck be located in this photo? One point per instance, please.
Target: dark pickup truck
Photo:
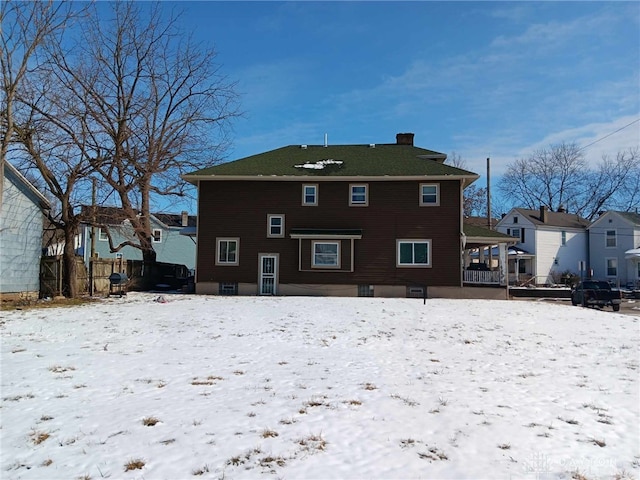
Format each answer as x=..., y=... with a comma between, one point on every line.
x=591, y=293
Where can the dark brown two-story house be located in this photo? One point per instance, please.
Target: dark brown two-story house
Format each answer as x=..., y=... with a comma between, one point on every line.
x=343, y=220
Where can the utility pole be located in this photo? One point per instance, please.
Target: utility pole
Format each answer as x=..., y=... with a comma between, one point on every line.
x=93, y=235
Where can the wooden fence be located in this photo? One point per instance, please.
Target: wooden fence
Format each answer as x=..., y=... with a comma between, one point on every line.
x=140, y=276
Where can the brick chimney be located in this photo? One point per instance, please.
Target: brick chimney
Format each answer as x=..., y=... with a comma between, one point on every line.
x=185, y=218
x=404, y=139
x=543, y=214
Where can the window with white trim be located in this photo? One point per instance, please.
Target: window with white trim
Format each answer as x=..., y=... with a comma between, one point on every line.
x=610, y=239
x=612, y=267
x=358, y=195
x=102, y=235
x=310, y=195
x=325, y=254
x=275, y=226
x=227, y=250
x=157, y=236
x=563, y=238
x=429, y=194
x=413, y=253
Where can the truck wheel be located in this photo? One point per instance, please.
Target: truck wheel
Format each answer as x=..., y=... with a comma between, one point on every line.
x=616, y=307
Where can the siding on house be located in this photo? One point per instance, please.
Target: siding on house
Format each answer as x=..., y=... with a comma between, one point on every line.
x=21, y=224
x=239, y=209
x=543, y=234
x=172, y=248
x=626, y=228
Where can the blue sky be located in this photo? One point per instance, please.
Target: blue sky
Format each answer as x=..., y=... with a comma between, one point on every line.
x=482, y=79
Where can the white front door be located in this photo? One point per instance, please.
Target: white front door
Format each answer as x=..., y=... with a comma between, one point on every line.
x=268, y=274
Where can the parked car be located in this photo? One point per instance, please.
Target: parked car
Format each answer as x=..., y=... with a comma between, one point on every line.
x=592, y=293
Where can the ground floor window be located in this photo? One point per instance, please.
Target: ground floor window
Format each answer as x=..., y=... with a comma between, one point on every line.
x=228, y=288
x=414, y=253
x=612, y=267
x=326, y=254
x=365, y=290
x=227, y=251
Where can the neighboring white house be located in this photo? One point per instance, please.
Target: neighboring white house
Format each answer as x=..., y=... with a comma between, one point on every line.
x=550, y=244
x=21, y=223
x=614, y=248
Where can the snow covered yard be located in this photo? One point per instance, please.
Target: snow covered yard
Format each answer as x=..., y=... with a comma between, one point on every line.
x=298, y=387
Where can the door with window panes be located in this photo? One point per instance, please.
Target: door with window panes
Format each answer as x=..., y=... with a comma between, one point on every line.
x=268, y=274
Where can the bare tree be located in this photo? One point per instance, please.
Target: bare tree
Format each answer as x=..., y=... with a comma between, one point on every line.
x=559, y=177
x=158, y=102
x=475, y=197
x=26, y=29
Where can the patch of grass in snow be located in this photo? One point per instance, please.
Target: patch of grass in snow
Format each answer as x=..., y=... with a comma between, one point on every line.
x=576, y=475
x=599, y=442
x=47, y=462
x=200, y=471
x=312, y=442
x=149, y=421
x=407, y=443
x=269, y=460
x=623, y=475
x=17, y=398
x=405, y=400
x=268, y=433
x=241, y=459
x=60, y=369
x=433, y=453
x=504, y=446
x=134, y=464
x=38, y=437
x=353, y=402
x=369, y=386
x=210, y=380
x=287, y=421
x=570, y=421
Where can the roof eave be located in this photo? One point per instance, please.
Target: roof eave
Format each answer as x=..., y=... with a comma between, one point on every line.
x=194, y=179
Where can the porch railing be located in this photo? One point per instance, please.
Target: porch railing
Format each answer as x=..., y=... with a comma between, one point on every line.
x=485, y=277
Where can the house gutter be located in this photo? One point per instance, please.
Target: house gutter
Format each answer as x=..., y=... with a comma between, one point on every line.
x=194, y=179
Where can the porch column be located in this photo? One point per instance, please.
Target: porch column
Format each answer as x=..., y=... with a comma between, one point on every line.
x=503, y=264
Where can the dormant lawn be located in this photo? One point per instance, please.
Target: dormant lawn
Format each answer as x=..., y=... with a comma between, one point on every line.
x=315, y=388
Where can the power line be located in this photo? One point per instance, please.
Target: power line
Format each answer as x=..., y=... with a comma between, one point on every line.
x=606, y=136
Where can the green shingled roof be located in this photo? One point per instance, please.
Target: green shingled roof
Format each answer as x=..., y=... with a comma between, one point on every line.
x=337, y=161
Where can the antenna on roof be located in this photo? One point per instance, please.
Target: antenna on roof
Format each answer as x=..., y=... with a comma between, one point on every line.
x=326, y=139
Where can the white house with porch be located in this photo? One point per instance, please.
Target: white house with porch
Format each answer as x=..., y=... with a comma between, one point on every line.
x=548, y=244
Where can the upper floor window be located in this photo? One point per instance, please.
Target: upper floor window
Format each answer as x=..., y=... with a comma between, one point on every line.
x=563, y=238
x=102, y=235
x=610, y=238
x=429, y=194
x=414, y=253
x=515, y=219
x=326, y=254
x=227, y=251
x=157, y=235
x=275, y=226
x=310, y=195
x=358, y=194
